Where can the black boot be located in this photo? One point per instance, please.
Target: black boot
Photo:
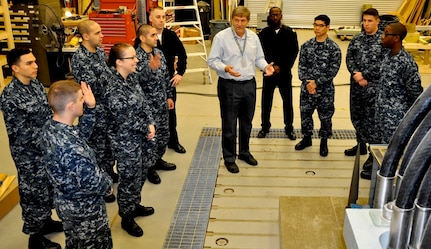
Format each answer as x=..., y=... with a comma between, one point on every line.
x=366, y=174
x=51, y=226
x=368, y=165
x=130, y=226
x=152, y=176
x=143, y=211
x=109, y=198
x=352, y=151
x=324, y=147
x=304, y=143
x=38, y=241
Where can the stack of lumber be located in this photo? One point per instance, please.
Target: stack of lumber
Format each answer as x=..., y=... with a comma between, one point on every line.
x=415, y=11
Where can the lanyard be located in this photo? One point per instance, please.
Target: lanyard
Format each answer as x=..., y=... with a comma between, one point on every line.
x=237, y=43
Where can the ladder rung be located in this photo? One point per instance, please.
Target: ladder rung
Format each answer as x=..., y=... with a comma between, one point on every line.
x=196, y=54
x=4, y=35
x=187, y=7
x=192, y=38
x=182, y=23
x=3, y=60
x=196, y=70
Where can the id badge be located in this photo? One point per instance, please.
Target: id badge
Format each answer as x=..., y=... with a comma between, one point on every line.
x=243, y=63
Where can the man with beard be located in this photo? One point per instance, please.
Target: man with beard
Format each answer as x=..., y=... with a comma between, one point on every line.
x=280, y=45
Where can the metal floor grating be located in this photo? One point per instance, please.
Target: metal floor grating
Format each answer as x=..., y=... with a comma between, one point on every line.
x=279, y=133
x=189, y=223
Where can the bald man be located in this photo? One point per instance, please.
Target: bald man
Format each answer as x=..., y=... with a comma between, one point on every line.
x=89, y=65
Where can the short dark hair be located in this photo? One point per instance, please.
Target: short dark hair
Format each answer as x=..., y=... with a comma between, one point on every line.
x=371, y=12
x=14, y=56
x=398, y=28
x=323, y=18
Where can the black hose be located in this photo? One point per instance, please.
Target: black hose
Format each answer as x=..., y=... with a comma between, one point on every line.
x=424, y=195
x=414, y=141
x=402, y=134
x=416, y=169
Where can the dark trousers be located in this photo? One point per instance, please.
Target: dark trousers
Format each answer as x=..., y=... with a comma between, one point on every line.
x=362, y=112
x=284, y=84
x=237, y=102
x=173, y=138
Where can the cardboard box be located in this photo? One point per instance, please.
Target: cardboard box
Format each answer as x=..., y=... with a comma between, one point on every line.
x=189, y=32
x=9, y=199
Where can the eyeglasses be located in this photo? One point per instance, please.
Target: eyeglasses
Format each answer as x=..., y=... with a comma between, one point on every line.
x=319, y=25
x=129, y=58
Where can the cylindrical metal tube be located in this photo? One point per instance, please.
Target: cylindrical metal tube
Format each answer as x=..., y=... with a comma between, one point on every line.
x=401, y=224
x=387, y=210
x=420, y=218
x=383, y=191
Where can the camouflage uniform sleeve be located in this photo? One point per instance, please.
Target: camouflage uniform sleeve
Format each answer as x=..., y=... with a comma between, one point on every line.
x=12, y=121
x=352, y=51
x=302, y=65
x=413, y=82
x=166, y=78
x=86, y=123
x=90, y=180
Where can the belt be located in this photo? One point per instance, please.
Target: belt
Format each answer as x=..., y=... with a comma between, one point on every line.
x=237, y=81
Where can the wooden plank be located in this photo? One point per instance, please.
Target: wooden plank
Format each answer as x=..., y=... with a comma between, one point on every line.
x=258, y=181
x=251, y=204
x=236, y=241
x=274, y=192
x=248, y=228
x=243, y=214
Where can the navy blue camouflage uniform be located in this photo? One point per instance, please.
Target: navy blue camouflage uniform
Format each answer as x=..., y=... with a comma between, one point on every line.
x=25, y=109
x=157, y=90
x=91, y=68
x=79, y=184
x=364, y=54
x=129, y=112
x=319, y=61
x=399, y=87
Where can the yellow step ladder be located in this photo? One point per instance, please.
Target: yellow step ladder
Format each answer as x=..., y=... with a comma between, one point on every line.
x=5, y=34
x=199, y=51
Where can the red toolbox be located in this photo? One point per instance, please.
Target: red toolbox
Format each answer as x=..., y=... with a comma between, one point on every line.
x=117, y=25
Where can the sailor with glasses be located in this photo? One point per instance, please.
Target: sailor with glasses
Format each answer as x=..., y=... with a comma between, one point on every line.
x=399, y=85
x=319, y=62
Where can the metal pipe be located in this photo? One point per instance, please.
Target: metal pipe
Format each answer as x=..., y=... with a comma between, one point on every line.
x=417, y=169
x=420, y=218
x=399, y=233
x=383, y=192
x=426, y=238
